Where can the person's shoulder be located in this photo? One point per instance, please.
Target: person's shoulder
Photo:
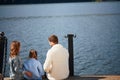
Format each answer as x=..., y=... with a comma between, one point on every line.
x=28, y=61
x=13, y=58
x=49, y=51
x=38, y=61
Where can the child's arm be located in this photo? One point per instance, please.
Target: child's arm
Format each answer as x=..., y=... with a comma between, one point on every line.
x=29, y=74
x=25, y=72
x=40, y=68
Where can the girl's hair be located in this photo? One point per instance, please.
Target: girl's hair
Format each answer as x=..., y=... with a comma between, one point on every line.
x=33, y=54
x=14, y=48
x=53, y=38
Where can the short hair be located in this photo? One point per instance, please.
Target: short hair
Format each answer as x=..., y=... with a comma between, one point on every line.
x=53, y=38
x=33, y=54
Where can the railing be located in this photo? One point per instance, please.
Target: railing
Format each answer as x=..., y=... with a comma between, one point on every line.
x=70, y=49
x=3, y=53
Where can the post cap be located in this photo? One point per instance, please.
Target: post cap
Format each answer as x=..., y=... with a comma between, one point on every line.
x=72, y=35
x=2, y=33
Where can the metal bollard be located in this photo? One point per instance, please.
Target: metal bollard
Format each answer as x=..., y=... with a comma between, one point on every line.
x=70, y=49
x=3, y=53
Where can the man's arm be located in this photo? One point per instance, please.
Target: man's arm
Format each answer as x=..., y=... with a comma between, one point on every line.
x=47, y=65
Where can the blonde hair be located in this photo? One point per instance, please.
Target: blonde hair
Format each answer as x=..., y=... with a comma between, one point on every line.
x=33, y=54
x=14, y=48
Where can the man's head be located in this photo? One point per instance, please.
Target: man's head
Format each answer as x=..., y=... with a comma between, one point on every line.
x=53, y=39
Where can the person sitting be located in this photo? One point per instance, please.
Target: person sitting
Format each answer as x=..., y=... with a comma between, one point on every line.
x=34, y=66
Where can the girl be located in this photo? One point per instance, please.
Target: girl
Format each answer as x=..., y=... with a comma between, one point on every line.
x=16, y=70
x=14, y=60
x=34, y=66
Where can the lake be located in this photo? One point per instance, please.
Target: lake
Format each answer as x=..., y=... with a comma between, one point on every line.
x=96, y=26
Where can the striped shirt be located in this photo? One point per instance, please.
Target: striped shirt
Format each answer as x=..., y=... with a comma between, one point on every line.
x=15, y=68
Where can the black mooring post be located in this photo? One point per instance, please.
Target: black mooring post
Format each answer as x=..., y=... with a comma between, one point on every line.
x=70, y=49
x=3, y=53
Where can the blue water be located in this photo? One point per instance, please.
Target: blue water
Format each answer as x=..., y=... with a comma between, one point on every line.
x=97, y=42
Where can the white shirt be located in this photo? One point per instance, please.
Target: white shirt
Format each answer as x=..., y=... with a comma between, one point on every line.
x=57, y=63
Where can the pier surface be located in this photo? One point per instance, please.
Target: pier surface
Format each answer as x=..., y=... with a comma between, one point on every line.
x=90, y=77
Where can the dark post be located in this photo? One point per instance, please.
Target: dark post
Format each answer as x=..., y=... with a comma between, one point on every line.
x=3, y=53
x=70, y=49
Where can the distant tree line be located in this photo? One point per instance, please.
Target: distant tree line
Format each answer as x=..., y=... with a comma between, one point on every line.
x=45, y=1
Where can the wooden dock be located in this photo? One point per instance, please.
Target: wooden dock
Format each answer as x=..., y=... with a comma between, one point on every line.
x=90, y=77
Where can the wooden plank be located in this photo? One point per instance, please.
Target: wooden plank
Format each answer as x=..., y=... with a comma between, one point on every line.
x=93, y=77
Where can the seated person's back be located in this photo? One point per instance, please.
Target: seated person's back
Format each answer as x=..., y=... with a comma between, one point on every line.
x=34, y=66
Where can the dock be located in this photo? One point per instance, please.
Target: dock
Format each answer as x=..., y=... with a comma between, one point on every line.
x=89, y=77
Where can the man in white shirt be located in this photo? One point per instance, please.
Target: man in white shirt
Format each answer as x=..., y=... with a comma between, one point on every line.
x=57, y=60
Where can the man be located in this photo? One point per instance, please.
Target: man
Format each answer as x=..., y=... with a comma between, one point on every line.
x=57, y=60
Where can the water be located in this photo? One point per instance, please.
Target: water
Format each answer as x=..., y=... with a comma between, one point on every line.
x=97, y=42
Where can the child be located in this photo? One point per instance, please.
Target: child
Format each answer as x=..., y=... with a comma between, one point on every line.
x=34, y=66
x=14, y=60
x=16, y=70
